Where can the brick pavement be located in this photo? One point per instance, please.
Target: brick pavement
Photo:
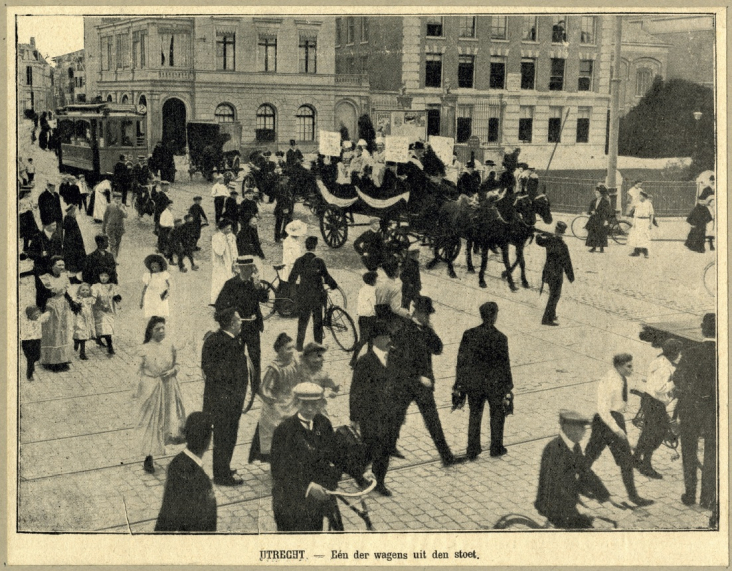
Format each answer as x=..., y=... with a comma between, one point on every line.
x=80, y=469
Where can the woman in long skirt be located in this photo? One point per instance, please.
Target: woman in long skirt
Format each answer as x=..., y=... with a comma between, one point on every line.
x=698, y=219
x=278, y=403
x=57, y=344
x=639, y=237
x=600, y=213
x=101, y=199
x=74, y=249
x=162, y=414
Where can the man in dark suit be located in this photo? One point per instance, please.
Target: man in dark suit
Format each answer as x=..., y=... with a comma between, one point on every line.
x=565, y=474
x=696, y=383
x=224, y=365
x=294, y=155
x=303, y=466
x=311, y=296
x=469, y=181
x=121, y=178
x=49, y=207
x=370, y=246
x=483, y=373
x=100, y=260
x=42, y=247
x=413, y=378
x=189, y=503
x=368, y=404
x=557, y=264
x=245, y=293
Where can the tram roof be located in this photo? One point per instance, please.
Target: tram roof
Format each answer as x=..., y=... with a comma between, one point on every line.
x=94, y=109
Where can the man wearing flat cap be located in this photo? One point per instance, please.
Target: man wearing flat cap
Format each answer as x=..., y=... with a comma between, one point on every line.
x=565, y=474
x=558, y=263
x=303, y=466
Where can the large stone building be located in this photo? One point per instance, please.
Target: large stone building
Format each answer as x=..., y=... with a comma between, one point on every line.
x=34, y=83
x=267, y=79
x=538, y=82
x=643, y=58
x=70, y=78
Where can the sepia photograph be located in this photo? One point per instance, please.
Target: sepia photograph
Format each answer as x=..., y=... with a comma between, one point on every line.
x=444, y=272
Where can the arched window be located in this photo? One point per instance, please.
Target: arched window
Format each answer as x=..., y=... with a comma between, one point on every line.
x=305, y=123
x=225, y=113
x=643, y=81
x=109, y=98
x=125, y=99
x=266, y=123
x=143, y=100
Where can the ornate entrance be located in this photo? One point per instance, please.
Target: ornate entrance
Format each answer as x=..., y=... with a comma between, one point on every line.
x=174, y=125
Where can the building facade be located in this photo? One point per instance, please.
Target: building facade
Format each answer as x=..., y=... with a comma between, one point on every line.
x=265, y=79
x=35, y=80
x=643, y=58
x=70, y=78
x=497, y=82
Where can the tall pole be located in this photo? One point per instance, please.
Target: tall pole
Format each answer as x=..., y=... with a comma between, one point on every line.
x=612, y=156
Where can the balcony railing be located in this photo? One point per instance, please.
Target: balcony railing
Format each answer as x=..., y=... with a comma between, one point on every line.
x=173, y=74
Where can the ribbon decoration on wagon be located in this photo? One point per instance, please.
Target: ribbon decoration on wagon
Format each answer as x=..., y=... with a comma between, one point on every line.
x=397, y=149
x=331, y=198
x=380, y=204
x=330, y=143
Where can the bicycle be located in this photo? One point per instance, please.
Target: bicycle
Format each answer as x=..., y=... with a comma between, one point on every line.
x=710, y=278
x=278, y=296
x=339, y=323
x=618, y=230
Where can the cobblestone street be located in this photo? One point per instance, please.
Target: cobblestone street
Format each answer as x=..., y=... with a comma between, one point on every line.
x=79, y=464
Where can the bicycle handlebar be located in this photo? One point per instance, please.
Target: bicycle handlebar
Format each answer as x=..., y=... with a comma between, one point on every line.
x=358, y=494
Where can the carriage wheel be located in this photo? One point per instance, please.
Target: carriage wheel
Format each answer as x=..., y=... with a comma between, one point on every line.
x=267, y=307
x=334, y=226
x=396, y=240
x=448, y=248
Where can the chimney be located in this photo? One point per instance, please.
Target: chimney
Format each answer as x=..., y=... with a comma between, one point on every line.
x=33, y=42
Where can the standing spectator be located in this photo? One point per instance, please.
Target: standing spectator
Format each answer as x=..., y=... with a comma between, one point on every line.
x=247, y=208
x=167, y=163
x=565, y=474
x=113, y=224
x=73, y=245
x=369, y=407
x=165, y=228
x=639, y=237
x=226, y=376
x=311, y=296
x=223, y=256
x=84, y=327
x=632, y=198
x=100, y=199
x=156, y=160
x=162, y=414
x=370, y=246
x=42, y=247
x=366, y=309
x=231, y=208
x=291, y=248
x=83, y=194
x=557, y=264
x=121, y=178
x=175, y=244
x=198, y=219
x=247, y=242
x=483, y=373
x=27, y=225
x=184, y=241
x=156, y=287
x=58, y=329
x=659, y=394
x=284, y=207
x=189, y=503
x=49, y=207
x=30, y=335
x=99, y=261
x=69, y=191
x=311, y=370
x=30, y=170
x=245, y=293
x=160, y=198
x=278, y=401
x=303, y=458
x=600, y=213
x=220, y=193
x=389, y=294
x=414, y=378
x=106, y=305
x=698, y=219
x=411, y=280
x=294, y=155
x=697, y=384
x=608, y=425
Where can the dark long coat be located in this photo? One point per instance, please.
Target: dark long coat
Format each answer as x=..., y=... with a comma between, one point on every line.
x=97, y=262
x=49, y=207
x=600, y=212
x=698, y=219
x=483, y=363
x=558, y=263
x=73, y=245
x=312, y=273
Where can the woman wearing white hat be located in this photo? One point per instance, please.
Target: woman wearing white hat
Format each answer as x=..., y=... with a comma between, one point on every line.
x=291, y=247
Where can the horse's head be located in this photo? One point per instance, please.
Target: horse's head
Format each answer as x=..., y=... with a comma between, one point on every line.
x=542, y=207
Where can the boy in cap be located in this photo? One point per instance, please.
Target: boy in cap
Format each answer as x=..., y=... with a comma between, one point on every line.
x=558, y=263
x=231, y=208
x=565, y=474
x=182, y=240
x=220, y=193
x=198, y=216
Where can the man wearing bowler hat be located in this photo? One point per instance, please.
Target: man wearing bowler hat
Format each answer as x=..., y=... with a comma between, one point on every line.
x=303, y=466
x=565, y=474
x=558, y=263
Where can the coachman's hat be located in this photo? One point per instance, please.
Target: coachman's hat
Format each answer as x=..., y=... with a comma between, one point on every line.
x=561, y=227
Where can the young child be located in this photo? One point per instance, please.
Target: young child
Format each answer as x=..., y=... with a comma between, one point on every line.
x=197, y=217
x=366, y=313
x=84, y=327
x=30, y=334
x=30, y=170
x=106, y=305
x=180, y=240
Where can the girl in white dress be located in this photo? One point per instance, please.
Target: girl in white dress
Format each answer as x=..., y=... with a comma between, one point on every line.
x=106, y=305
x=639, y=237
x=156, y=289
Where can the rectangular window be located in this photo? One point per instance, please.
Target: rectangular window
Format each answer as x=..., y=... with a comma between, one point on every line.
x=466, y=70
x=498, y=27
x=493, y=127
x=555, y=125
x=467, y=26
x=29, y=75
x=526, y=124
x=32, y=100
x=587, y=35
x=106, y=53
x=139, y=39
x=225, y=47
x=433, y=70
x=338, y=31
x=350, y=65
x=584, y=82
x=529, y=29
x=123, y=51
x=583, y=125
x=267, y=53
x=643, y=81
x=434, y=26
x=308, y=55
x=364, y=29
x=350, y=30
x=498, y=73
x=559, y=29
x=528, y=73
x=364, y=64
x=464, y=123
x=556, y=79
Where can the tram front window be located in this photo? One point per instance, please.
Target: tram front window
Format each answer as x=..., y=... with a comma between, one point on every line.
x=112, y=133
x=82, y=133
x=128, y=133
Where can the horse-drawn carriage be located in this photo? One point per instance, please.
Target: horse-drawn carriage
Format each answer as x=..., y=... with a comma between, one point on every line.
x=208, y=150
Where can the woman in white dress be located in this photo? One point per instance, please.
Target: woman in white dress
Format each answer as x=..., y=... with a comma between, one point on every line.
x=223, y=255
x=291, y=247
x=162, y=414
x=102, y=194
x=156, y=289
x=639, y=237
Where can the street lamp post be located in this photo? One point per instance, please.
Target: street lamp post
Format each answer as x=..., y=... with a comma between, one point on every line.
x=697, y=119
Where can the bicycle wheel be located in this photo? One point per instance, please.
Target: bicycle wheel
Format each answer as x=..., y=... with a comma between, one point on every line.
x=338, y=297
x=619, y=232
x=342, y=327
x=578, y=226
x=267, y=307
x=285, y=305
x=710, y=278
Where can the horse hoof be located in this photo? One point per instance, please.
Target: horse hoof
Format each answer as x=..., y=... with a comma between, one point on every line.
x=483, y=284
x=504, y=275
x=471, y=270
x=525, y=285
x=453, y=275
x=513, y=287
